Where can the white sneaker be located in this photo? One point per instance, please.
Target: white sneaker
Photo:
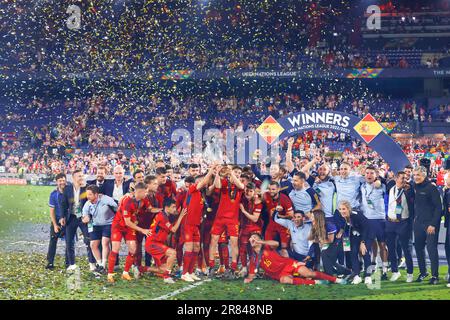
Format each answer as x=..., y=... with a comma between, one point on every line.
x=72, y=267
x=395, y=276
x=357, y=280
x=92, y=266
x=169, y=280
x=243, y=272
x=367, y=280
x=187, y=277
x=194, y=277
x=402, y=263
x=136, y=272
x=448, y=285
x=409, y=278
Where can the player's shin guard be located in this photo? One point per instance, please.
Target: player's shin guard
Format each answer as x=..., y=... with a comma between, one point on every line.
x=112, y=261
x=300, y=281
x=128, y=262
x=323, y=276
x=187, y=261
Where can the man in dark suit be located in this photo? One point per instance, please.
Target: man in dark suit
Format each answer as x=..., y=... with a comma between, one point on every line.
x=116, y=188
x=101, y=182
x=72, y=202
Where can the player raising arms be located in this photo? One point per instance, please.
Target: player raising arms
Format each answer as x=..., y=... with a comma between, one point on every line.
x=155, y=244
x=251, y=207
x=284, y=270
x=125, y=226
x=227, y=217
x=277, y=201
x=194, y=203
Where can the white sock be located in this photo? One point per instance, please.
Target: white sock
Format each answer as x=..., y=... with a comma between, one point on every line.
x=385, y=266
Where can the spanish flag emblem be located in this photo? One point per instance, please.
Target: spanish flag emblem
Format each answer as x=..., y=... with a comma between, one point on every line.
x=270, y=130
x=368, y=128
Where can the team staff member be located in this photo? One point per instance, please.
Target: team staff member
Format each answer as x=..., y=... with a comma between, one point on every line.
x=72, y=202
x=285, y=270
x=323, y=233
x=230, y=189
x=325, y=188
x=447, y=220
x=98, y=213
x=302, y=249
x=303, y=197
x=100, y=182
x=56, y=230
x=276, y=201
x=155, y=244
x=194, y=203
x=398, y=224
x=120, y=186
x=427, y=221
x=355, y=230
x=373, y=207
x=348, y=186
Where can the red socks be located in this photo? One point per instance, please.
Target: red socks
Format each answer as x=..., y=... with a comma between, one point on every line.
x=243, y=254
x=224, y=255
x=193, y=261
x=112, y=261
x=234, y=265
x=128, y=262
x=301, y=281
x=206, y=252
x=324, y=276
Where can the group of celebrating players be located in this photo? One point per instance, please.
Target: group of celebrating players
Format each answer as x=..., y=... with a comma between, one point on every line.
x=284, y=225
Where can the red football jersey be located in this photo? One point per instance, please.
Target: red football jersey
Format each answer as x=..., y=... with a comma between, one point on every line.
x=160, y=228
x=283, y=200
x=180, y=198
x=168, y=190
x=156, y=200
x=272, y=263
x=194, y=203
x=129, y=207
x=229, y=208
x=252, y=208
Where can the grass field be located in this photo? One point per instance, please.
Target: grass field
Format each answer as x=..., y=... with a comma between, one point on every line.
x=22, y=276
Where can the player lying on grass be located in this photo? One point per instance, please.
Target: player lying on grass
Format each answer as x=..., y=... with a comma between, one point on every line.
x=155, y=244
x=284, y=270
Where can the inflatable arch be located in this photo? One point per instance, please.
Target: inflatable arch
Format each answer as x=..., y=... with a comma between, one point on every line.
x=366, y=129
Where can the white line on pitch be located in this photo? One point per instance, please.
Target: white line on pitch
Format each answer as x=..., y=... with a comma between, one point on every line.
x=174, y=293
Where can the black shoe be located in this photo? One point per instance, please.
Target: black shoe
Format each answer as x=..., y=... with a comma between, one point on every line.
x=50, y=266
x=384, y=276
x=100, y=270
x=229, y=275
x=434, y=280
x=422, y=277
x=212, y=273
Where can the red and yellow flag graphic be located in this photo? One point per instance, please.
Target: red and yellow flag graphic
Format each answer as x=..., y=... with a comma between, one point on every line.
x=368, y=128
x=270, y=130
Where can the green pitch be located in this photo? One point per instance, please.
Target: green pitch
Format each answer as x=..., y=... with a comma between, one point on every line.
x=22, y=275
